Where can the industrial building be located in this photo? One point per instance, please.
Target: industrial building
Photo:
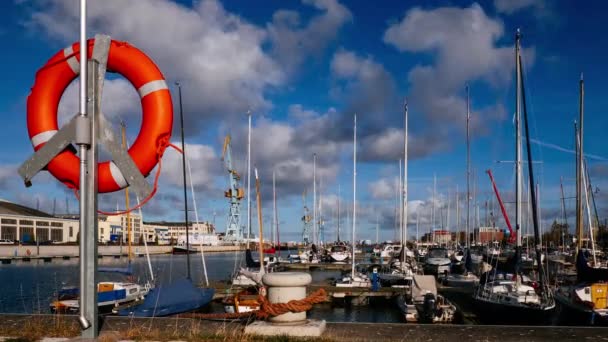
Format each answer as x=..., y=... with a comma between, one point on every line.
x=25, y=225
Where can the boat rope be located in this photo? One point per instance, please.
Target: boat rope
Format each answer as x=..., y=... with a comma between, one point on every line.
x=268, y=309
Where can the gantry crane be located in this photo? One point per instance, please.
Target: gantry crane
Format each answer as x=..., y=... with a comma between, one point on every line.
x=234, y=231
x=512, y=236
x=306, y=221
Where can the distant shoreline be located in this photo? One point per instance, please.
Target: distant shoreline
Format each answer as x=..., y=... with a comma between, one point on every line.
x=53, y=251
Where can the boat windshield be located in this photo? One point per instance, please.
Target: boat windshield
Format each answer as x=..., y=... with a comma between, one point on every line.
x=338, y=249
x=438, y=253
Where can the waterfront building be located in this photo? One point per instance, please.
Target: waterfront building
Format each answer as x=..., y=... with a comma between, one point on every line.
x=27, y=225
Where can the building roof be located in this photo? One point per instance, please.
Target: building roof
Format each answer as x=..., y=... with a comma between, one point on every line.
x=10, y=208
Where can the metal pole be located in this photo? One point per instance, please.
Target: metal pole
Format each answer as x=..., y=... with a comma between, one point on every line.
x=405, y=216
x=88, y=236
x=354, y=194
x=314, y=199
x=274, y=210
x=468, y=222
x=400, y=193
x=518, y=140
x=248, y=177
x=579, y=171
x=339, y=213
x=181, y=121
x=258, y=200
x=88, y=196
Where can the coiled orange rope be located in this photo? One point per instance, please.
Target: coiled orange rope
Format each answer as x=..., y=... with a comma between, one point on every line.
x=268, y=309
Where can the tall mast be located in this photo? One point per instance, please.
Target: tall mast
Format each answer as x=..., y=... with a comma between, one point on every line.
x=404, y=239
x=457, y=216
x=354, y=194
x=447, y=219
x=579, y=169
x=400, y=192
x=275, y=220
x=314, y=199
x=417, y=225
x=377, y=228
x=468, y=172
x=535, y=215
x=433, y=209
x=338, y=212
x=248, y=177
x=181, y=116
x=258, y=200
x=518, y=139
x=320, y=223
x=129, y=238
x=564, y=217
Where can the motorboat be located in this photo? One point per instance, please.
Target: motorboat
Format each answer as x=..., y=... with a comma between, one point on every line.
x=339, y=253
x=437, y=261
x=424, y=304
x=390, y=251
x=243, y=301
x=109, y=296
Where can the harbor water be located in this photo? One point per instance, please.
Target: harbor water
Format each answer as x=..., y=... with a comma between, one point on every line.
x=29, y=287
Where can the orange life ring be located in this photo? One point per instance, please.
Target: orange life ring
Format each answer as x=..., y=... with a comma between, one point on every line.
x=155, y=131
x=28, y=252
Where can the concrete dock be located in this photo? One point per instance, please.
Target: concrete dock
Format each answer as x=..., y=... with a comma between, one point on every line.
x=30, y=252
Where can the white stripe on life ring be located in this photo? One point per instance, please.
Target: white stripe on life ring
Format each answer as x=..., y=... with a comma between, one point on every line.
x=151, y=87
x=72, y=61
x=117, y=176
x=43, y=137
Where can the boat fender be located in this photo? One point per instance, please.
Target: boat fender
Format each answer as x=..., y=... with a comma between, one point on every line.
x=375, y=280
x=429, y=306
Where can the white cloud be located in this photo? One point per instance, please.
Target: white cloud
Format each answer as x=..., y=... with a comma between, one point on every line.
x=217, y=56
x=8, y=173
x=292, y=43
x=383, y=188
x=512, y=6
x=205, y=165
x=365, y=84
x=464, y=42
x=119, y=101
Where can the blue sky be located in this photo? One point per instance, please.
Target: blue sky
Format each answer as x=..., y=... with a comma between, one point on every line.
x=304, y=68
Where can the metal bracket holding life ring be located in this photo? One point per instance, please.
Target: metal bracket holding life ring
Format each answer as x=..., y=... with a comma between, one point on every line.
x=51, y=144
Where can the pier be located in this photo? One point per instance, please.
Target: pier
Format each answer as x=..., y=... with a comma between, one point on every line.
x=27, y=253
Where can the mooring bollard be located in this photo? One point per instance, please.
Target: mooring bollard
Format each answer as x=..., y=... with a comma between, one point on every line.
x=286, y=286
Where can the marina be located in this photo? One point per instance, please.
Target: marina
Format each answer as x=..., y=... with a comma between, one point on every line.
x=311, y=170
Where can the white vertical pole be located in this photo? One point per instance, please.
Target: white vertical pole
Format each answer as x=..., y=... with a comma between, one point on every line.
x=314, y=199
x=248, y=177
x=517, y=143
x=400, y=194
x=200, y=240
x=354, y=194
x=405, y=197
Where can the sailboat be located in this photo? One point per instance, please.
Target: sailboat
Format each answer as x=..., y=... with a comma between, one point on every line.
x=508, y=299
x=586, y=301
x=466, y=278
x=181, y=295
x=253, y=278
x=355, y=279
